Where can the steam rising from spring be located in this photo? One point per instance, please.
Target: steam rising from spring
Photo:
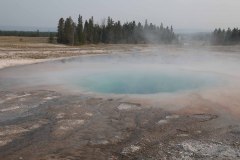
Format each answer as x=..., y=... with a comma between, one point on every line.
x=201, y=66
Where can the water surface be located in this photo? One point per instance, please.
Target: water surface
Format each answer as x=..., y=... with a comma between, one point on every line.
x=144, y=81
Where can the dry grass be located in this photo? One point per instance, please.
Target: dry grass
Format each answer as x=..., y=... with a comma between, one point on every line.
x=14, y=42
x=20, y=40
x=23, y=49
x=38, y=48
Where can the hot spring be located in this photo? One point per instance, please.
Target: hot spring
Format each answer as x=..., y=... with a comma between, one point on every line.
x=143, y=82
x=135, y=73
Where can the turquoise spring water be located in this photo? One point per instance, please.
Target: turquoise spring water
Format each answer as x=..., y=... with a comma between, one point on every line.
x=144, y=82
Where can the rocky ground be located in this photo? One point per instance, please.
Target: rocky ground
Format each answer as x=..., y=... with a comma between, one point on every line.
x=46, y=125
x=50, y=125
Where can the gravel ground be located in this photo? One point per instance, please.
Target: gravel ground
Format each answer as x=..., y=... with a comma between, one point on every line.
x=48, y=125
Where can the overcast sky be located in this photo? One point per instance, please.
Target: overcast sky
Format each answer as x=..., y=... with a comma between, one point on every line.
x=182, y=14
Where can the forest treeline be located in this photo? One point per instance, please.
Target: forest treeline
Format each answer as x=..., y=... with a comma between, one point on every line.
x=27, y=33
x=226, y=37
x=112, y=32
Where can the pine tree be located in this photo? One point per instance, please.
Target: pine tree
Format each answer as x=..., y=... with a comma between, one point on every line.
x=69, y=31
x=146, y=25
x=90, y=30
x=109, y=29
x=60, y=33
x=79, y=30
x=114, y=32
x=85, y=32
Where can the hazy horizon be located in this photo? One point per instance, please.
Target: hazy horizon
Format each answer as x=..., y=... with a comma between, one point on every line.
x=204, y=15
